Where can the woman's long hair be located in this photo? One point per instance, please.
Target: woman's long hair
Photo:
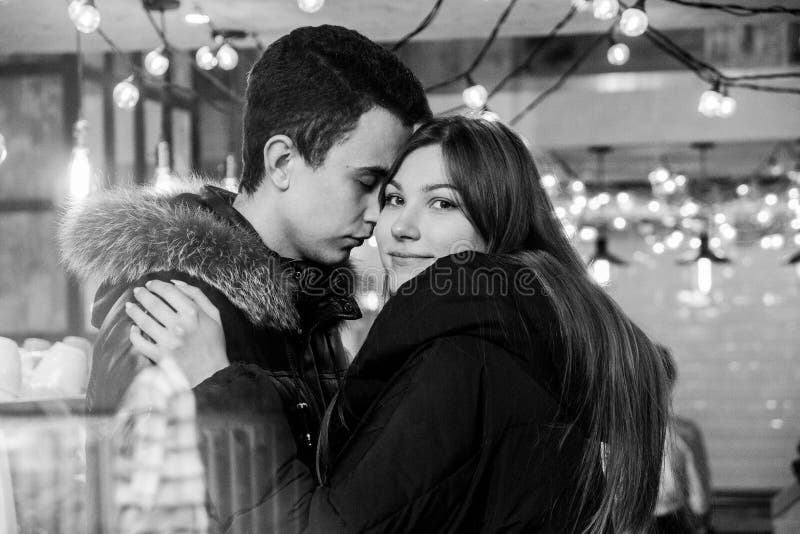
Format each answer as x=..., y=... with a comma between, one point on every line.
x=611, y=365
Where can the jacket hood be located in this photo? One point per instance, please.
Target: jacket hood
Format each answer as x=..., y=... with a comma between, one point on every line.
x=495, y=298
x=499, y=300
x=119, y=236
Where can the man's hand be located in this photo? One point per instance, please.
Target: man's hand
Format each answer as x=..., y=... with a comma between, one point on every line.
x=182, y=323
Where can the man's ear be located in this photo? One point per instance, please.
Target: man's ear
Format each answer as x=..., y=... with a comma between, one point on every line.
x=278, y=151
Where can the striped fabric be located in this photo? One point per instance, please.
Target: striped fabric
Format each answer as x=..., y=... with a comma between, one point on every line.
x=158, y=475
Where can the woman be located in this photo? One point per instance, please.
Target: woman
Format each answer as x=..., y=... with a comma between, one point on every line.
x=492, y=379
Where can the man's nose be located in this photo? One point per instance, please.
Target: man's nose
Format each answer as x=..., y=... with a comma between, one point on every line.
x=373, y=209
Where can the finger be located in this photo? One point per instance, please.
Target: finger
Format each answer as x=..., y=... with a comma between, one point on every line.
x=146, y=348
x=176, y=298
x=199, y=298
x=156, y=307
x=151, y=327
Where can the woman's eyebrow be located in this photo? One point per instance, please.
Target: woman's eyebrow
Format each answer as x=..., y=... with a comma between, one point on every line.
x=430, y=187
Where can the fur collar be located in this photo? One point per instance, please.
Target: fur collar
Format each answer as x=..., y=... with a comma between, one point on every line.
x=121, y=235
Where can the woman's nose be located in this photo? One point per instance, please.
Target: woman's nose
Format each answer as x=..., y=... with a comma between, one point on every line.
x=405, y=227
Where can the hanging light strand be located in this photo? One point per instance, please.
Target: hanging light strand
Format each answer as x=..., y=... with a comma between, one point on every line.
x=561, y=81
x=429, y=18
x=482, y=53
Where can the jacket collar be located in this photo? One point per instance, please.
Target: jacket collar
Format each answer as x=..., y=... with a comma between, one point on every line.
x=120, y=236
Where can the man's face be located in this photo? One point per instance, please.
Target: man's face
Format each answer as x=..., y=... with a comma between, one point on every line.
x=334, y=208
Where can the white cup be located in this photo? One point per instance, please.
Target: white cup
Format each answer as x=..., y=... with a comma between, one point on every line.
x=63, y=371
x=10, y=369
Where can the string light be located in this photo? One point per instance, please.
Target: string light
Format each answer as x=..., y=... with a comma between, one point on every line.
x=605, y=9
x=3, y=150
x=227, y=57
x=126, y=94
x=164, y=178
x=633, y=21
x=156, y=62
x=727, y=106
x=205, y=58
x=196, y=16
x=716, y=103
x=310, y=6
x=703, y=261
x=475, y=96
x=618, y=54
x=80, y=170
x=84, y=15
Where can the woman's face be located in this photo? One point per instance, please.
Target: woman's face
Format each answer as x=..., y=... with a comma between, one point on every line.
x=422, y=218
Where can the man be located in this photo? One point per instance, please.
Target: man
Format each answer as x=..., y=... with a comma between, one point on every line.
x=326, y=112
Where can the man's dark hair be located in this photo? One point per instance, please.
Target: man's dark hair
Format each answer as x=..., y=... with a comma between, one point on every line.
x=313, y=85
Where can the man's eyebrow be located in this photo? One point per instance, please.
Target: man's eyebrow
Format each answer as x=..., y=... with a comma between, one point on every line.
x=375, y=170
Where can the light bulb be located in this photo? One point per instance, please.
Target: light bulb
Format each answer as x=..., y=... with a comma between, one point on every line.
x=163, y=175
x=126, y=94
x=80, y=171
x=601, y=271
x=230, y=182
x=196, y=17
x=84, y=15
x=658, y=175
x=605, y=9
x=704, y=279
x=475, y=96
x=710, y=102
x=620, y=223
x=205, y=59
x=310, y=6
x=727, y=106
x=549, y=180
x=633, y=22
x=618, y=54
x=3, y=150
x=227, y=57
x=155, y=62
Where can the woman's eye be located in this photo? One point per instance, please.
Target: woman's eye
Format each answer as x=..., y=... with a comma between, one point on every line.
x=442, y=204
x=393, y=199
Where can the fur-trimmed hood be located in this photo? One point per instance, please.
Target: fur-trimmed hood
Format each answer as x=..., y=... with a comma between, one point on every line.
x=121, y=235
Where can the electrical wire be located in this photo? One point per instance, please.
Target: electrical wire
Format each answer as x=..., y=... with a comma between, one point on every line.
x=429, y=18
x=564, y=77
x=467, y=74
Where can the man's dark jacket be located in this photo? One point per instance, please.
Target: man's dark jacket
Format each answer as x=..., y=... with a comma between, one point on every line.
x=280, y=315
